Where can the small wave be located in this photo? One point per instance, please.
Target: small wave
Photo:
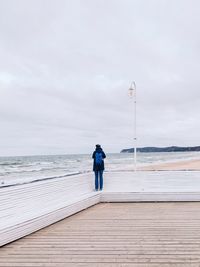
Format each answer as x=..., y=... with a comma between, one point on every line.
x=10, y=163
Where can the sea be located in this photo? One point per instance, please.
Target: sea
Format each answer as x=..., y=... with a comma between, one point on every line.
x=28, y=169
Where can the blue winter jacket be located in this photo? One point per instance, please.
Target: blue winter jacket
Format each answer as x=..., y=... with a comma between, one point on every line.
x=101, y=166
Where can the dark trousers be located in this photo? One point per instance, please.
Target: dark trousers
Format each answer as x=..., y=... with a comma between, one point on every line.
x=98, y=180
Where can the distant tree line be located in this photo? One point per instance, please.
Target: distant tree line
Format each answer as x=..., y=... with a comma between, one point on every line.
x=162, y=149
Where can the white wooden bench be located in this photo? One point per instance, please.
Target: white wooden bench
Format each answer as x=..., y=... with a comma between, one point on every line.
x=27, y=208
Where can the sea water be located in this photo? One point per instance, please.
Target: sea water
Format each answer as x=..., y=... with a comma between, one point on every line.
x=26, y=169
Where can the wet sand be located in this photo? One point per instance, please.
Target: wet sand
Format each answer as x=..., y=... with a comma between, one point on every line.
x=189, y=165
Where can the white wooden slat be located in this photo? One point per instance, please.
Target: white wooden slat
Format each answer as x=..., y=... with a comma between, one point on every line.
x=149, y=197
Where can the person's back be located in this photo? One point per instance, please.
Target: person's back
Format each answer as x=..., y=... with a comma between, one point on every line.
x=98, y=166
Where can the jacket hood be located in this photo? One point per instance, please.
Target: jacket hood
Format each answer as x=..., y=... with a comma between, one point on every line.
x=98, y=149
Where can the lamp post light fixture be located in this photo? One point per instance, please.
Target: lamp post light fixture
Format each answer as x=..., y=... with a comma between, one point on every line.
x=132, y=94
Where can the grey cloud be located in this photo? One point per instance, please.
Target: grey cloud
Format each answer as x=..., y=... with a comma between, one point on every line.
x=66, y=67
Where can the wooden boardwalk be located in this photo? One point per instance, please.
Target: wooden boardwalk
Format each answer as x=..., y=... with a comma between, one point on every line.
x=26, y=208
x=114, y=234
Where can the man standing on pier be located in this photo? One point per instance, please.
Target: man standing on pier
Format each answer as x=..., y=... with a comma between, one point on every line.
x=98, y=166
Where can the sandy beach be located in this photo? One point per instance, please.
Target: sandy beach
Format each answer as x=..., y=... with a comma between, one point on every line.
x=186, y=165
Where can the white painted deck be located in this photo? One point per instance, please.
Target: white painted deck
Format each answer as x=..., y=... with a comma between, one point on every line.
x=27, y=208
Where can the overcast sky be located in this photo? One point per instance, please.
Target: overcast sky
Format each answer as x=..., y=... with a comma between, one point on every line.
x=66, y=66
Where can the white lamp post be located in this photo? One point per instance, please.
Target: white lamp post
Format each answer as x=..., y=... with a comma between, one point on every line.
x=132, y=94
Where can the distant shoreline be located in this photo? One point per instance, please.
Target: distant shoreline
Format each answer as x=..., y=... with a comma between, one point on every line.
x=162, y=149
